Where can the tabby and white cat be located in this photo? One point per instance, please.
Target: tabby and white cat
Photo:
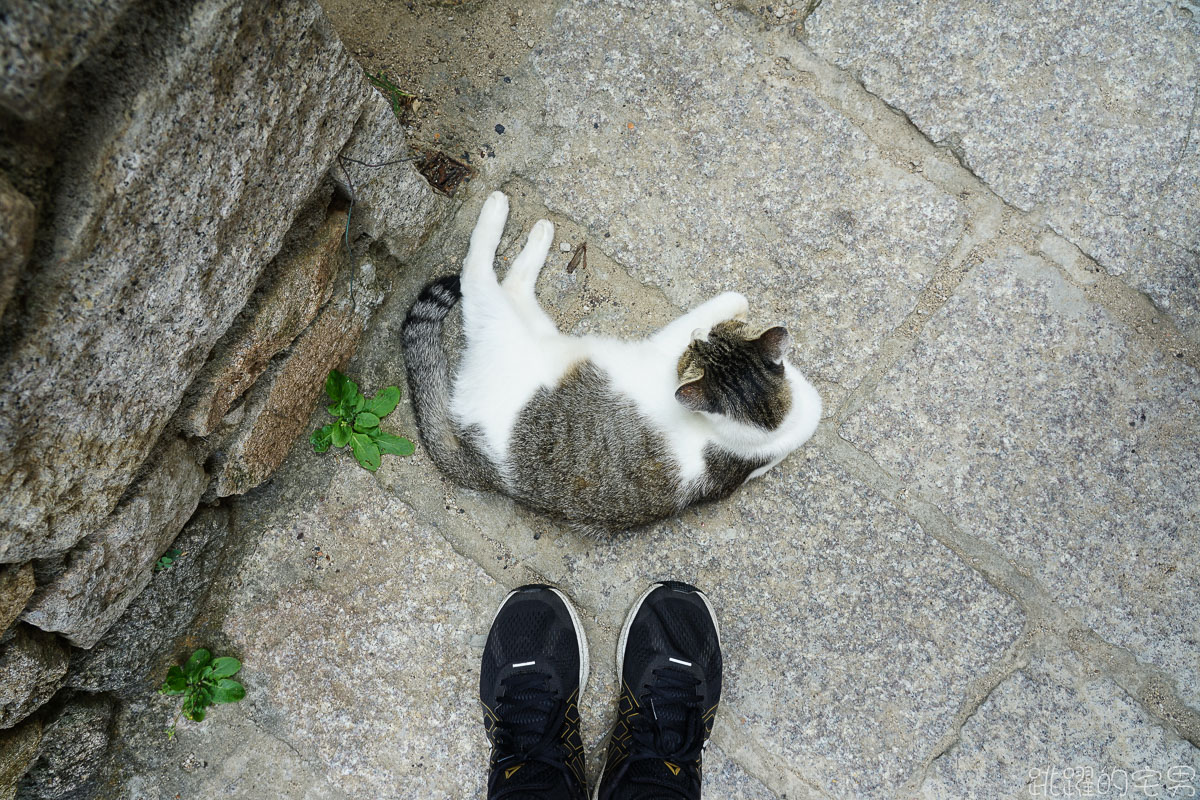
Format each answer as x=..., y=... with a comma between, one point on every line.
x=603, y=433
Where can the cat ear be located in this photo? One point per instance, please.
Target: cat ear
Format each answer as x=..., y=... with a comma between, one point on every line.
x=692, y=396
x=774, y=342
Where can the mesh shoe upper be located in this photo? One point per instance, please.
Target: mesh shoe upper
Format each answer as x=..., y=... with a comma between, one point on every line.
x=671, y=686
x=534, y=667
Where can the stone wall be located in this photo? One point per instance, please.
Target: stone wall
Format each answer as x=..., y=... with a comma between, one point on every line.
x=174, y=286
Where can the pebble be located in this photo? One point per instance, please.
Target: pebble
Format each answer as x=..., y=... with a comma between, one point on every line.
x=565, y=247
x=499, y=128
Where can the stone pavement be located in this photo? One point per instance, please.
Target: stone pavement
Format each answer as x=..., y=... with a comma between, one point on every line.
x=982, y=225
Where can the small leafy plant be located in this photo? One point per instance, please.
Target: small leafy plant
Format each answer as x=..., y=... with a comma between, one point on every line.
x=203, y=681
x=167, y=560
x=357, y=423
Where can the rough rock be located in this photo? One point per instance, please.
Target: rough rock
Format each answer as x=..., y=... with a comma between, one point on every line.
x=16, y=587
x=1091, y=117
x=766, y=189
x=1056, y=729
x=33, y=664
x=16, y=237
x=18, y=749
x=393, y=203
x=1041, y=425
x=293, y=289
x=73, y=746
x=278, y=408
x=122, y=661
x=198, y=132
x=102, y=575
x=40, y=43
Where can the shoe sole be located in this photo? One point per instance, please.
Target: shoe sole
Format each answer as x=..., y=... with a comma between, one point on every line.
x=580, y=636
x=623, y=642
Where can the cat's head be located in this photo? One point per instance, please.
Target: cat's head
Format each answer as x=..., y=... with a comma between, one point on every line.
x=737, y=371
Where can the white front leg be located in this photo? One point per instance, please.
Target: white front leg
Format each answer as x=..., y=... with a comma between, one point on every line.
x=675, y=336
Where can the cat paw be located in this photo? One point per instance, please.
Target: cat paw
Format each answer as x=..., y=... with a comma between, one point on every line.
x=542, y=232
x=493, y=215
x=733, y=305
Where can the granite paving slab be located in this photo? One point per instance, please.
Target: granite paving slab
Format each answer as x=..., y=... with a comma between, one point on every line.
x=1056, y=729
x=1044, y=427
x=1085, y=111
x=699, y=160
x=353, y=624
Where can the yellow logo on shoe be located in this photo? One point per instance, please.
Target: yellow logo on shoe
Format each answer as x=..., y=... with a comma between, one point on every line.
x=673, y=767
x=508, y=773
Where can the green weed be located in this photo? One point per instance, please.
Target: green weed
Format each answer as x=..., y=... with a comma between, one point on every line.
x=167, y=560
x=203, y=681
x=357, y=423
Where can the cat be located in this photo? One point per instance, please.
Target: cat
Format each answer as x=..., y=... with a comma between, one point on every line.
x=604, y=434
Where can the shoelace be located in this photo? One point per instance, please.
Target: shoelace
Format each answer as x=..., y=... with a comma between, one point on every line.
x=669, y=728
x=526, y=733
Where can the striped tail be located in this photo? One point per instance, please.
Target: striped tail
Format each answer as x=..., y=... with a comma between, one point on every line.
x=429, y=387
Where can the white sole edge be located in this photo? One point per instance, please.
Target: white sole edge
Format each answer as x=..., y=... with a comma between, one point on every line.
x=623, y=641
x=580, y=635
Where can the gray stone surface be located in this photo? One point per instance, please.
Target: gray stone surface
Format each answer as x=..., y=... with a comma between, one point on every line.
x=292, y=291
x=723, y=778
x=278, y=407
x=16, y=237
x=185, y=164
x=692, y=155
x=1087, y=113
x=123, y=660
x=34, y=665
x=858, y=647
x=227, y=756
x=838, y=616
x=16, y=587
x=71, y=753
x=1044, y=427
x=1056, y=729
x=18, y=749
x=359, y=660
x=41, y=42
x=393, y=203
x=97, y=580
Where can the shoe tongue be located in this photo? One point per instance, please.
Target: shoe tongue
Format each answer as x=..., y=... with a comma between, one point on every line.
x=669, y=710
x=527, y=706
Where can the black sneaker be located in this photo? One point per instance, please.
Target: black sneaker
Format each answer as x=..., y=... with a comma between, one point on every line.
x=535, y=666
x=669, y=657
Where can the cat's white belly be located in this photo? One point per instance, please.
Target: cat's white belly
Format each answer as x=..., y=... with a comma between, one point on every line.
x=514, y=371
x=497, y=379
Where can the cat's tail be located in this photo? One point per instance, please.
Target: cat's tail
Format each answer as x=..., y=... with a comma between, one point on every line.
x=429, y=387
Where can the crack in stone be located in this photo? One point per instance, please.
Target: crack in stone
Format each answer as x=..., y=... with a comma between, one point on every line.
x=1043, y=614
x=767, y=768
x=317, y=767
x=1015, y=658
